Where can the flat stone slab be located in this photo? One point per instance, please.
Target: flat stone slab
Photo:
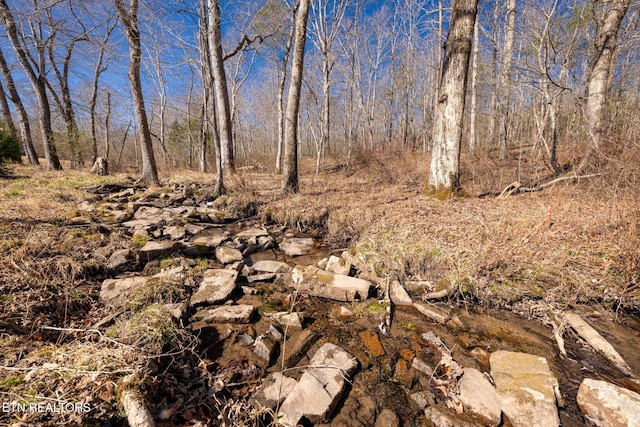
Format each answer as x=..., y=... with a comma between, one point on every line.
x=216, y=287
x=399, y=295
x=147, y=212
x=154, y=249
x=296, y=246
x=297, y=347
x=210, y=238
x=432, y=312
x=148, y=216
x=263, y=347
x=439, y=416
x=320, y=387
x=264, y=277
x=193, y=229
x=421, y=365
x=479, y=398
x=115, y=292
x=338, y=266
x=526, y=389
x=273, y=391
x=119, y=259
x=292, y=320
x=268, y=266
x=225, y=314
x=320, y=283
x=608, y=405
x=252, y=232
x=175, y=232
x=228, y=255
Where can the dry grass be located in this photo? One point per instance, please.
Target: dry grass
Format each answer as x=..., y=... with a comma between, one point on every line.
x=497, y=251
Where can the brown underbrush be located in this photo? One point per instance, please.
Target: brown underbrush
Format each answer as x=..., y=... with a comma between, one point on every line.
x=573, y=242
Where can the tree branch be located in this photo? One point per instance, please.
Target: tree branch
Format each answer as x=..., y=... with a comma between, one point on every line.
x=515, y=187
x=244, y=43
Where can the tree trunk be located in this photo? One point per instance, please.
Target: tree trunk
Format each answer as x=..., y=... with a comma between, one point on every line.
x=505, y=86
x=23, y=118
x=474, y=90
x=605, y=45
x=220, y=83
x=290, y=172
x=162, y=92
x=438, y=70
x=210, y=103
x=107, y=130
x=99, y=69
x=6, y=114
x=205, y=71
x=494, y=112
x=66, y=106
x=92, y=103
x=38, y=83
x=326, y=113
x=281, y=83
x=189, y=122
x=444, y=176
x=130, y=20
x=326, y=22
x=202, y=154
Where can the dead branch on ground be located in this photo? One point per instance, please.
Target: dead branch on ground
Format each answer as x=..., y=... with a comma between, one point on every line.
x=516, y=187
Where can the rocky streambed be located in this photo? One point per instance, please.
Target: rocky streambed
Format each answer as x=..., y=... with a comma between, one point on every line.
x=288, y=331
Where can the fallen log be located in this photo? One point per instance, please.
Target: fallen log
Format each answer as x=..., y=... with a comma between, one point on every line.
x=516, y=187
x=138, y=414
x=595, y=340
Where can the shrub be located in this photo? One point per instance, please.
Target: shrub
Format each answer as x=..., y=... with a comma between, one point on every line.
x=9, y=151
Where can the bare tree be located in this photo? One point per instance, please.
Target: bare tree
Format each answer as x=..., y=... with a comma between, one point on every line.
x=220, y=82
x=444, y=176
x=366, y=48
x=473, y=111
x=37, y=78
x=7, y=122
x=64, y=101
x=281, y=83
x=100, y=67
x=209, y=115
x=129, y=18
x=107, y=127
x=156, y=65
x=505, y=79
x=325, y=25
x=23, y=118
x=290, y=171
x=600, y=70
x=548, y=108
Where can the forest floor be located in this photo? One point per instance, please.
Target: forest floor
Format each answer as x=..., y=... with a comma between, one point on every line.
x=576, y=242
